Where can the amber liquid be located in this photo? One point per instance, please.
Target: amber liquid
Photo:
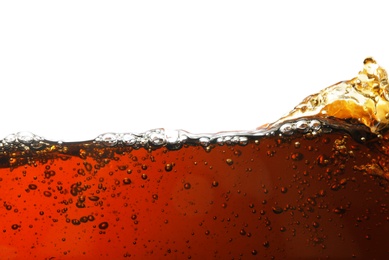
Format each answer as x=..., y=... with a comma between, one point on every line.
x=276, y=197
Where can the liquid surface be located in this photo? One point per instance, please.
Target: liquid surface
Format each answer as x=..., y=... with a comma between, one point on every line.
x=312, y=185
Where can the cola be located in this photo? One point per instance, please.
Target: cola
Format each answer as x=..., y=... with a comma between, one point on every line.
x=311, y=185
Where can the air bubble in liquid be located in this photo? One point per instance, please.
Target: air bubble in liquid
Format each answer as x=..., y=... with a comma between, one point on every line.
x=25, y=137
x=109, y=139
x=128, y=139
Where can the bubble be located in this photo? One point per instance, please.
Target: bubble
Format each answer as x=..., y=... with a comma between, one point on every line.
x=296, y=156
x=229, y=161
x=25, y=137
x=80, y=204
x=47, y=193
x=215, y=183
x=93, y=198
x=76, y=222
x=109, y=139
x=243, y=140
x=339, y=210
x=37, y=144
x=322, y=160
x=277, y=210
x=235, y=139
x=126, y=181
x=10, y=138
x=187, y=186
x=335, y=186
x=128, y=139
x=168, y=167
x=302, y=126
x=15, y=226
x=311, y=201
x=220, y=140
x=322, y=193
x=315, y=125
x=32, y=186
x=103, y=225
x=157, y=137
x=286, y=129
x=204, y=141
x=84, y=219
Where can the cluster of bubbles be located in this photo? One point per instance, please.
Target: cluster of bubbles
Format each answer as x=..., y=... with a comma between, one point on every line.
x=155, y=137
x=173, y=139
x=301, y=126
x=22, y=140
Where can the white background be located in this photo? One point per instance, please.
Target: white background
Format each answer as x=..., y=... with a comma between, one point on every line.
x=71, y=70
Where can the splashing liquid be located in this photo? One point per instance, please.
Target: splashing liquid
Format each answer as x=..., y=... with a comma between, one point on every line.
x=312, y=185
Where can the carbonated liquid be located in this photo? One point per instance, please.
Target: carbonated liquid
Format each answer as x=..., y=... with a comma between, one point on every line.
x=312, y=185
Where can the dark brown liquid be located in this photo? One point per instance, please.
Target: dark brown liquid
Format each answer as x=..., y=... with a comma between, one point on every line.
x=282, y=197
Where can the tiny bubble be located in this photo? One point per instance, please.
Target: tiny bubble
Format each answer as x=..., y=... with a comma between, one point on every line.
x=277, y=210
x=15, y=226
x=126, y=181
x=168, y=167
x=32, y=186
x=103, y=225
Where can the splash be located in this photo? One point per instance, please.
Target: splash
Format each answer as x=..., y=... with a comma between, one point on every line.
x=361, y=100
